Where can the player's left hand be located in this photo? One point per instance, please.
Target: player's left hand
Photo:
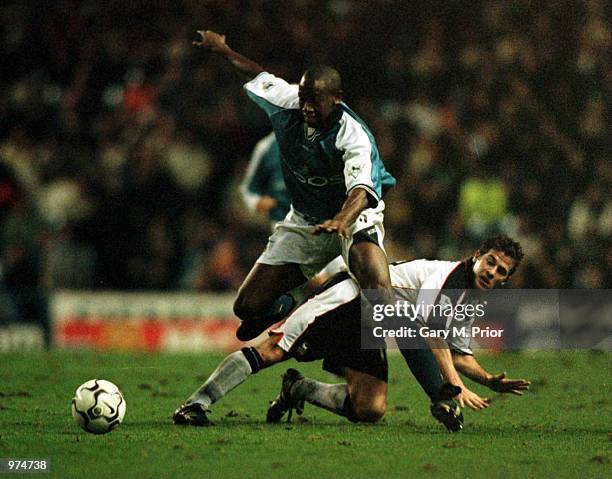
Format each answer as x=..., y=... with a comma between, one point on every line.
x=332, y=226
x=501, y=384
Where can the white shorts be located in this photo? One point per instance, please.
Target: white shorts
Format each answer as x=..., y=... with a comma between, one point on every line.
x=293, y=241
x=327, y=300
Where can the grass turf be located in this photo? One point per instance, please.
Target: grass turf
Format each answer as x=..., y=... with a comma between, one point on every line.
x=561, y=428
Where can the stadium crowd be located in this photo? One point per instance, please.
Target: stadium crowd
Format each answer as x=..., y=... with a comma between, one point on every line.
x=122, y=146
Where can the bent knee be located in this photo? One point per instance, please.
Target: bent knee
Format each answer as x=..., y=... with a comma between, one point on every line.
x=246, y=308
x=368, y=412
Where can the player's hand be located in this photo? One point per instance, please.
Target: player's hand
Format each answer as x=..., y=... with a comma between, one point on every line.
x=502, y=384
x=212, y=41
x=470, y=399
x=265, y=204
x=332, y=226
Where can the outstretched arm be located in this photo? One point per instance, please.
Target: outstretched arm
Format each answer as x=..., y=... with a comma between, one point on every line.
x=216, y=43
x=469, y=367
x=441, y=352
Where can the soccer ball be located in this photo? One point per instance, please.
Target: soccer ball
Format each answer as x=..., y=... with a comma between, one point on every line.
x=98, y=406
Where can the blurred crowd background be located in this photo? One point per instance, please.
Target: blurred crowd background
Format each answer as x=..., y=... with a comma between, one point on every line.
x=122, y=145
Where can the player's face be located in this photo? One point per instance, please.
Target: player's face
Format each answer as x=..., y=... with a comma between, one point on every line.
x=491, y=268
x=316, y=102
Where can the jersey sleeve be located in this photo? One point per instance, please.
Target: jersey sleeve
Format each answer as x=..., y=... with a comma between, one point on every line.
x=357, y=148
x=253, y=185
x=272, y=94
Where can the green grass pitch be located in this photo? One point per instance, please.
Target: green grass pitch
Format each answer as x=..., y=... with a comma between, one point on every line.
x=561, y=428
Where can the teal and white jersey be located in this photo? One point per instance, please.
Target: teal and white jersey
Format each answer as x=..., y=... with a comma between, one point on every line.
x=320, y=167
x=265, y=178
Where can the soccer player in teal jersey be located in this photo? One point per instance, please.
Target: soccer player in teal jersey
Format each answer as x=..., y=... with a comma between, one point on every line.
x=263, y=190
x=336, y=181
x=263, y=187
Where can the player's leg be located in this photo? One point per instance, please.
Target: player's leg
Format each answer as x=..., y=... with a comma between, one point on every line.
x=368, y=263
x=334, y=267
x=292, y=255
x=364, y=253
x=367, y=395
x=317, y=283
x=262, y=287
x=361, y=399
x=426, y=370
x=236, y=368
x=335, y=336
x=262, y=301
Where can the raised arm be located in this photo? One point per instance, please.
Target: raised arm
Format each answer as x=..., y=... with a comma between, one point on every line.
x=469, y=367
x=215, y=43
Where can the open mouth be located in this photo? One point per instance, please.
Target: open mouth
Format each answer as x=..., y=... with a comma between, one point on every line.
x=484, y=282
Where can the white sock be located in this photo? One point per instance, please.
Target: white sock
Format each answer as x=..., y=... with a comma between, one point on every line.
x=327, y=396
x=232, y=372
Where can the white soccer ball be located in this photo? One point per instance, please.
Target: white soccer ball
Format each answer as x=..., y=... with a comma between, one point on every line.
x=98, y=406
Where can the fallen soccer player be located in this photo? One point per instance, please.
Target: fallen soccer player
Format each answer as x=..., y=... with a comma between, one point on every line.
x=328, y=326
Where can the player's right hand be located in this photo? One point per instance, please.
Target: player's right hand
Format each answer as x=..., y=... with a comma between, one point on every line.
x=470, y=399
x=212, y=41
x=332, y=226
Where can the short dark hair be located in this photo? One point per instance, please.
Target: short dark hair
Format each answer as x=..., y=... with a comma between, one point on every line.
x=506, y=245
x=328, y=75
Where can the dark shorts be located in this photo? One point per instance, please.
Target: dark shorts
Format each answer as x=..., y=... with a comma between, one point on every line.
x=335, y=337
